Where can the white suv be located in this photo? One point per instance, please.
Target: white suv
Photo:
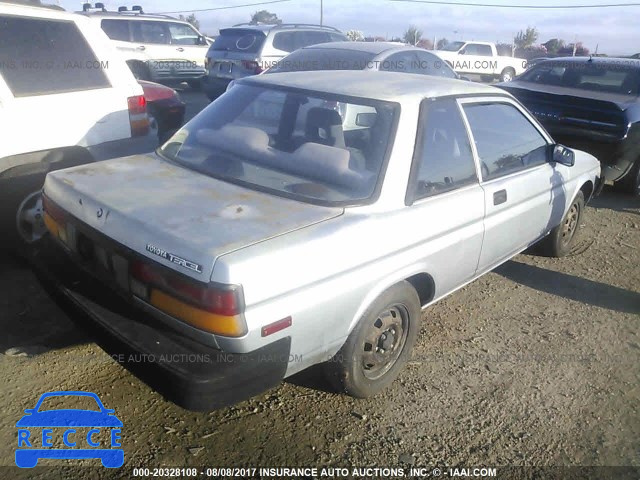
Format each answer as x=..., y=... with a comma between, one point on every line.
x=66, y=98
x=159, y=48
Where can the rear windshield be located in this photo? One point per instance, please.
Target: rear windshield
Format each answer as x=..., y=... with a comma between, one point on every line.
x=239, y=40
x=452, y=46
x=39, y=57
x=314, y=147
x=310, y=59
x=617, y=78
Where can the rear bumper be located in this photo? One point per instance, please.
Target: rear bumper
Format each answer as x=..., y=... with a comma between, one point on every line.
x=190, y=374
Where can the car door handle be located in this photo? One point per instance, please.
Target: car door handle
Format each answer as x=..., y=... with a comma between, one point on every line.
x=180, y=49
x=141, y=47
x=499, y=197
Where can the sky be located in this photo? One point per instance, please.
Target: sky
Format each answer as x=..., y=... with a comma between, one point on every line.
x=614, y=31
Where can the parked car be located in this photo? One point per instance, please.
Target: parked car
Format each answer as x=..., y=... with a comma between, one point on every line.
x=66, y=99
x=481, y=58
x=158, y=48
x=246, y=49
x=384, y=56
x=591, y=104
x=266, y=247
x=165, y=109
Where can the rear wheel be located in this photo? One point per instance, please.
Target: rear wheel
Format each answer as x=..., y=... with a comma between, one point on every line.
x=507, y=74
x=21, y=215
x=563, y=238
x=379, y=345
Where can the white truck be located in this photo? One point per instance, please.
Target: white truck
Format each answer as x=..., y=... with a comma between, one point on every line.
x=481, y=58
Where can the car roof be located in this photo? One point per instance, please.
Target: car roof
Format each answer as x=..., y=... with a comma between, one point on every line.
x=631, y=62
x=388, y=86
x=375, y=48
x=263, y=27
x=131, y=16
x=35, y=11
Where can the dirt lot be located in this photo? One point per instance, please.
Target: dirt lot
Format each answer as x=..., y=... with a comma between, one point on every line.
x=537, y=363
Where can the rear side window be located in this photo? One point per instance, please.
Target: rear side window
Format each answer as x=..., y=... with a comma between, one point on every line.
x=310, y=37
x=150, y=32
x=239, y=40
x=285, y=41
x=39, y=57
x=505, y=139
x=443, y=160
x=182, y=34
x=116, y=29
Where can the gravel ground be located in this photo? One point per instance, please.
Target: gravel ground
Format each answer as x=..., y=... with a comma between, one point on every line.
x=536, y=363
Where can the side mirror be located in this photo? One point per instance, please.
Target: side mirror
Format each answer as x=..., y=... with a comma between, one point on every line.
x=202, y=40
x=563, y=155
x=366, y=119
x=461, y=51
x=467, y=79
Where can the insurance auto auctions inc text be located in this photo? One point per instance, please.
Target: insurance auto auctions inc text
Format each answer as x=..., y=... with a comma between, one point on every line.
x=371, y=472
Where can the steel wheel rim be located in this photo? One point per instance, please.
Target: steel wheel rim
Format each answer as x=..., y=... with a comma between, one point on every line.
x=385, y=339
x=30, y=218
x=570, y=223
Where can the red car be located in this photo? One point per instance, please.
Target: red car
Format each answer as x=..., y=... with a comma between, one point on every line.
x=164, y=107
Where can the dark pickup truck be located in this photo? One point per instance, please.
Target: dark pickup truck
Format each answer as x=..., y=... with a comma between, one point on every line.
x=591, y=104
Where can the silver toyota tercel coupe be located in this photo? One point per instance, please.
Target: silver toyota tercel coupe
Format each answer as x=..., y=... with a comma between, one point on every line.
x=307, y=218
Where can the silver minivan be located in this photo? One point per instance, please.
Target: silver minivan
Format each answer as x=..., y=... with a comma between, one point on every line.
x=247, y=49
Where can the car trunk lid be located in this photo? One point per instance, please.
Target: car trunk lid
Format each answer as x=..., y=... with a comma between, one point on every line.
x=160, y=210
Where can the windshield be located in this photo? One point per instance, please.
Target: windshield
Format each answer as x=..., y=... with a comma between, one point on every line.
x=309, y=59
x=452, y=46
x=245, y=40
x=616, y=78
x=316, y=147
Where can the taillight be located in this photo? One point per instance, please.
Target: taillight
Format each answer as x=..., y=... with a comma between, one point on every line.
x=55, y=219
x=211, y=307
x=53, y=210
x=252, y=65
x=138, y=115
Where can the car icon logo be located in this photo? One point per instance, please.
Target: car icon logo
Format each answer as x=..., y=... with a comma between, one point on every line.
x=67, y=425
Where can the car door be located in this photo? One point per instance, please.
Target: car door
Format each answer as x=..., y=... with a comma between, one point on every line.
x=485, y=63
x=153, y=39
x=187, y=43
x=470, y=60
x=444, y=196
x=523, y=193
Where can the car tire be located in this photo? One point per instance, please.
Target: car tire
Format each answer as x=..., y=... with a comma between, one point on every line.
x=507, y=74
x=563, y=238
x=195, y=84
x=21, y=214
x=379, y=345
x=630, y=183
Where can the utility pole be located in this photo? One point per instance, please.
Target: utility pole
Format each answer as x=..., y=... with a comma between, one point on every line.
x=320, y=12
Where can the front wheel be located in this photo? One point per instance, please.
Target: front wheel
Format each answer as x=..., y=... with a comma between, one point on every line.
x=562, y=238
x=379, y=345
